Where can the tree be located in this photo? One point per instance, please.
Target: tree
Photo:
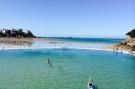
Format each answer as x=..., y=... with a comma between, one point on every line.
x=16, y=33
x=30, y=33
x=131, y=33
x=20, y=32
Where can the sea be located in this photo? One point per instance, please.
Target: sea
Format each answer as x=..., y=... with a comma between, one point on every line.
x=70, y=68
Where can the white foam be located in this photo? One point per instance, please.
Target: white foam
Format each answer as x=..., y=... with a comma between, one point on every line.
x=59, y=47
x=62, y=45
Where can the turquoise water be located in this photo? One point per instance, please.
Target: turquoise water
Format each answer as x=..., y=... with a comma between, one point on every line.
x=28, y=69
x=76, y=42
x=89, y=40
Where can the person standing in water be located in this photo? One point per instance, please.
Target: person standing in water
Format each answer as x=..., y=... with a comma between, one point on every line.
x=50, y=64
x=48, y=61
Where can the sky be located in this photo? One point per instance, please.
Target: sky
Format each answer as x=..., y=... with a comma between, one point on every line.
x=63, y=18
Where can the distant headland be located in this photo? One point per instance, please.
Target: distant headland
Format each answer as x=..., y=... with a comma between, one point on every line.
x=18, y=33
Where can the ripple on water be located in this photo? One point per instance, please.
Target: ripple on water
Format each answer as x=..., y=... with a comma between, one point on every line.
x=28, y=69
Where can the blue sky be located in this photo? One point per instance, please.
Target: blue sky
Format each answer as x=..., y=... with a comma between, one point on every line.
x=79, y=18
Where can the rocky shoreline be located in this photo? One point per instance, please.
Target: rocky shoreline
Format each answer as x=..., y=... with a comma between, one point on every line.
x=126, y=45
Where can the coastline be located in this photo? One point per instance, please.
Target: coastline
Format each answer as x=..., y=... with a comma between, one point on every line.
x=27, y=43
x=61, y=47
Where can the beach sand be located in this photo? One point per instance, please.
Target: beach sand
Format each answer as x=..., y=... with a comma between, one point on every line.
x=30, y=43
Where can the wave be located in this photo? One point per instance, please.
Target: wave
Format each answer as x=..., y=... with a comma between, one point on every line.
x=65, y=48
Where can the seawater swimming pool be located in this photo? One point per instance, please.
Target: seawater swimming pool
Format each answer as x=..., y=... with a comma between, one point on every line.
x=71, y=68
